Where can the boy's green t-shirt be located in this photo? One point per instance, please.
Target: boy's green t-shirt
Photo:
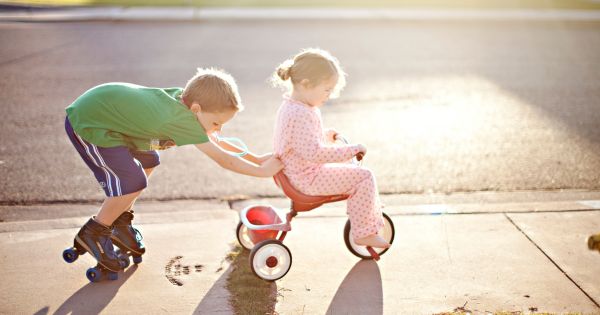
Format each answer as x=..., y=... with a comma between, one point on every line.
x=139, y=117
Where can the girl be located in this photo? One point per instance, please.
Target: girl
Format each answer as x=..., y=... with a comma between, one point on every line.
x=312, y=162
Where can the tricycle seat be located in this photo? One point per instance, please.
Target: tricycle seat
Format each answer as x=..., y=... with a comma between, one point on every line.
x=300, y=201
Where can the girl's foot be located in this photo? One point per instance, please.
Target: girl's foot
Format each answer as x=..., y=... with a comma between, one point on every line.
x=373, y=240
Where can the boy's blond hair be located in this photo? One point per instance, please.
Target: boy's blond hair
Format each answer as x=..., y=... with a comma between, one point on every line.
x=313, y=64
x=214, y=89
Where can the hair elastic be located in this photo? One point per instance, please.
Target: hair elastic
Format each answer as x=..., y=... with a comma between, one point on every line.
x=237, y=142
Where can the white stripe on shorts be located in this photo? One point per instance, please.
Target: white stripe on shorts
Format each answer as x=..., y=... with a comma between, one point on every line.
x=87, y=150
x=117, y=180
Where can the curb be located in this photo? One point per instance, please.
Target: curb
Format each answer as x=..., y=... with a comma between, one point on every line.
x=465, y=203
x=63, y=216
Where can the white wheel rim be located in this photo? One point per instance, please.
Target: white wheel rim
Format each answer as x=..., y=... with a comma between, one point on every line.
x=386, y=233
x=244, y=238
x=259, y=262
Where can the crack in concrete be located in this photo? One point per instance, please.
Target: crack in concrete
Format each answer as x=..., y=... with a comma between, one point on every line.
x=551, y=260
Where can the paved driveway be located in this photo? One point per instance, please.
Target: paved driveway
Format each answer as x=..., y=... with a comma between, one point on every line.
x=442, y=106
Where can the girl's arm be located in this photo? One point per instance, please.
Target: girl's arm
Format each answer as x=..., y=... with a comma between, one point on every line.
x=307, y=140
x=267, y=169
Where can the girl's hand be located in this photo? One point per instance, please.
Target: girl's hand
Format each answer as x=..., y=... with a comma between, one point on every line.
x=271, y=166
x=362, y=150
x=330, y=134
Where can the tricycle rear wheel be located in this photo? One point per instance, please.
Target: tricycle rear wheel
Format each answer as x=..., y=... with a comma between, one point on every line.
x=270, y=260
x=243, y=237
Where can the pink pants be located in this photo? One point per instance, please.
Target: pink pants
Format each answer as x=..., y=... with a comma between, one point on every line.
x=364, y=207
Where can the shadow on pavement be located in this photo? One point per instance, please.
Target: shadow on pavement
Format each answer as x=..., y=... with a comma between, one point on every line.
x=360, y=292
x=216, y=300
x=238, y=290
x=43, y=311
x=94, y=297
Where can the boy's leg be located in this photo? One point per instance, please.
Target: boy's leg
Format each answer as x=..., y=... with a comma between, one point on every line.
x=113, y=207
x=147, y=171
x=124, y=235
x=364, y=208
x=122, y=179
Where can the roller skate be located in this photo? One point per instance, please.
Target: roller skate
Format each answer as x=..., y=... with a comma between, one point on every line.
x=95, y=239
x=128, y=239
x=594, y=242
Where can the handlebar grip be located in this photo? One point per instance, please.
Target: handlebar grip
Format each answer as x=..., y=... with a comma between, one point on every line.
x=360, y=156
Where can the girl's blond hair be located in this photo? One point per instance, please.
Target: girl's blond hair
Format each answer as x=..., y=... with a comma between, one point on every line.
x=313, y=64
x=214, y=89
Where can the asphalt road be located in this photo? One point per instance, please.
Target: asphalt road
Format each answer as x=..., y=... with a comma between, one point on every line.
x=441, y=106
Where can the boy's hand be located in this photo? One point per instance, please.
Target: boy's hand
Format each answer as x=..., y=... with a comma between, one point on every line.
x=263, y=158
x=271, y=166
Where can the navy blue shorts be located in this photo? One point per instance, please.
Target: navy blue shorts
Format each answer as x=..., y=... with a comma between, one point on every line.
x=119, y=170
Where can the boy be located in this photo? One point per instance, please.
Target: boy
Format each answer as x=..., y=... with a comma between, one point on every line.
x=117, y=128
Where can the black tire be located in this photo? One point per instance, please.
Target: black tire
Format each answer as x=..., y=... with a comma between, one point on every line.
x=387, y=220
x=238, y=234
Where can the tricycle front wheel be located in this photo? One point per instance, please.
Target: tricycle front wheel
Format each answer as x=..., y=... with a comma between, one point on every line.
x=360, y=251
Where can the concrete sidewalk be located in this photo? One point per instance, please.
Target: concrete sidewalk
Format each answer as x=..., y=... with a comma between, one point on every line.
x=183, y=270
x=61, y=14
x=445, y=255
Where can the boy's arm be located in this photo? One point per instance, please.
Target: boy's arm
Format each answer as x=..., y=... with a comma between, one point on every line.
x=267, y=169
x=250, y=157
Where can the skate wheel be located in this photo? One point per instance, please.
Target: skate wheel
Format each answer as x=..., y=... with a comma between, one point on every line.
x=70, y=255
x=94, y=274
x=137, y=259
x=123, y=260
x=593, y=242
x=112, y=275
x=360, y=251
x=270, y=260
x=243, y=237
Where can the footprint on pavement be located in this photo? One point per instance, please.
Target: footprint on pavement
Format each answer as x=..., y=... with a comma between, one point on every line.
x=174, y=270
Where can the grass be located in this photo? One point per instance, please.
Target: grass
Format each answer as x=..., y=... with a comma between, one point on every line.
x=464, y=310
x=456, y=4
x=251, y=295
x=248, y=293
x=467, y=312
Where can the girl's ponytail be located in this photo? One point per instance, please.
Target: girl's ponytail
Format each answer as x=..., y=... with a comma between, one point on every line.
x=283, y=71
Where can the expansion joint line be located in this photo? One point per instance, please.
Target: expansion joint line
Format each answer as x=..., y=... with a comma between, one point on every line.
x=551, y=260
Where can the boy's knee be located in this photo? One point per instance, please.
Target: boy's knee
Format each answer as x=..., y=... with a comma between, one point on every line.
x=137, y=193
x=135, y=184
x=141, y=182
